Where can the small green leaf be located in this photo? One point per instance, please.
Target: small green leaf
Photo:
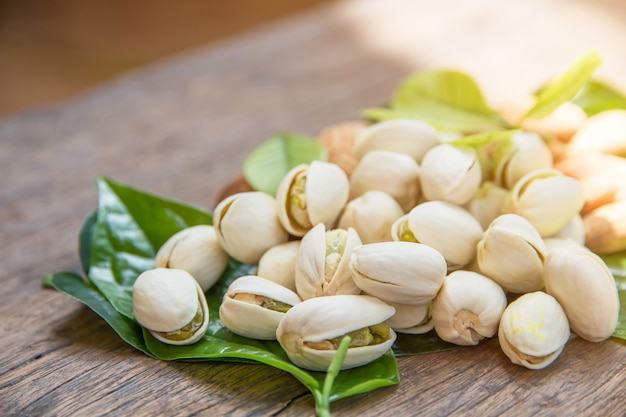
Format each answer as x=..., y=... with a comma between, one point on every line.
x=596, y=97
x=85, y=237
x=47, y=281
x=76, y=287
x=447, y=100
x=266, y=166
x=565, y=87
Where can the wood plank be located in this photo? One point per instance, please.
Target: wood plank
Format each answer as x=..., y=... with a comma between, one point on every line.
x=182, y=129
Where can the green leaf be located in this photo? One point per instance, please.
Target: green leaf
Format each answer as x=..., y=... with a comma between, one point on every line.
x=225, y=345
x=85, y=237
x=131, y=225
x=230, y=347
x=266, y=166
x=47, y=281
x=617, y=265
x=447, y=100
x=76, y=287
x=383, y=372
x=596, y=97
x=565, y=87
x=157, y=217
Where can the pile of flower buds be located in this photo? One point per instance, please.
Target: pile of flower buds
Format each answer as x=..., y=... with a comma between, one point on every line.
x=404, y=231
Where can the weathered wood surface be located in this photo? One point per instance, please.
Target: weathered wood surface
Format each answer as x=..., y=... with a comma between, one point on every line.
x=182, y=128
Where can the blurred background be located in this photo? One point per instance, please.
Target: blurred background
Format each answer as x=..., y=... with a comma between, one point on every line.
x=51, y=50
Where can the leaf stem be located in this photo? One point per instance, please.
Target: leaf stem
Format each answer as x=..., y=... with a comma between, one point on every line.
x=323, y=406
x=47, y=281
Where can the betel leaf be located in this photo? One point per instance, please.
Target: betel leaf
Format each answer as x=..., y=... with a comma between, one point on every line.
x=564, y=87
x=617, y=264
x=158, y=217
x=76, y=287
x=596, y=97
x=448, y=100
x=130, y=225
x=264, y=168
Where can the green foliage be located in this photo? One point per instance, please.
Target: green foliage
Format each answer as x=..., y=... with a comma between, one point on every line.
x=596, y=97
x=447, y=100
x=564, y=87
x=267, y=165
x=75, y=286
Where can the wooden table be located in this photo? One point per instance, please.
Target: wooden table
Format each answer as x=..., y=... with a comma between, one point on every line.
x=181, y=128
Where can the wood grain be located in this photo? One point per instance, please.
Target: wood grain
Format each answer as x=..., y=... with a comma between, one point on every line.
x=182, y=129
